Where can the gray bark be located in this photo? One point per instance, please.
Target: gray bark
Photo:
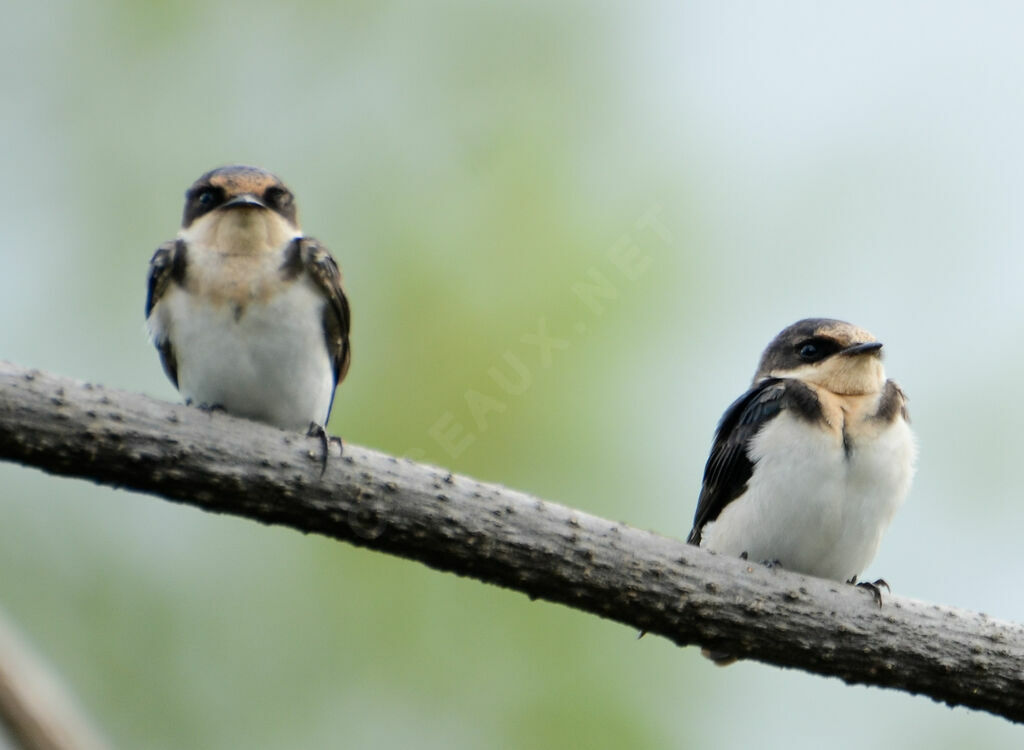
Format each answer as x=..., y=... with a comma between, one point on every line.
x=505, y=537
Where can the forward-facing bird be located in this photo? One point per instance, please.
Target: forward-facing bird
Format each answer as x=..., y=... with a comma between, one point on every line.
x=248, y=314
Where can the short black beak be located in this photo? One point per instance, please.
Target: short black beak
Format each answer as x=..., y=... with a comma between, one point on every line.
x=869, y=347
x=246, y=200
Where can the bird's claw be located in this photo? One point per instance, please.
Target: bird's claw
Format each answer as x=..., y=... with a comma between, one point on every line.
x=875, y=587
x=208, y=408
x=318, y=431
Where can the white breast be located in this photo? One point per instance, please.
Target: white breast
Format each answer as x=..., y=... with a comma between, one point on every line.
x=812, y=506
x=270, y=363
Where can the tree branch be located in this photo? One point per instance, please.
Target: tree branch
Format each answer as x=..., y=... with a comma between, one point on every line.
x=501, y=536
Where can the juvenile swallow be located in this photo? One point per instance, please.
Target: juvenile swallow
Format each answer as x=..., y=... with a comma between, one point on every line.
x=809, y=465
x=247, y=313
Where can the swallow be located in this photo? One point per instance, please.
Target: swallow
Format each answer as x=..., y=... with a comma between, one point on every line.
x=248, y=314
x=808, y=467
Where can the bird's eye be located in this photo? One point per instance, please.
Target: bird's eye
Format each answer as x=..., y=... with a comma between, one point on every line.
x=277, y=197
x=206, y=197
x=816, y=349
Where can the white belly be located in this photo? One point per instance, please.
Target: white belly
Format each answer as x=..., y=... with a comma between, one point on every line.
x=270, y=364
x=812, y=507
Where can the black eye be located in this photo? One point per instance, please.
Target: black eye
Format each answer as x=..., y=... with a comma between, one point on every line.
x=816, y=349
x=199, y=201
x=277, y=197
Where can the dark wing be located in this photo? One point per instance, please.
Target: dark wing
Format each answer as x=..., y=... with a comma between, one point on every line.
x=166, y=267
x=893, y=403
x=306, y=254
x=729, y=466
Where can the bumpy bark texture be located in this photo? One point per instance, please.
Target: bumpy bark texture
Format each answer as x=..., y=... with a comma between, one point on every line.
x=501, y=536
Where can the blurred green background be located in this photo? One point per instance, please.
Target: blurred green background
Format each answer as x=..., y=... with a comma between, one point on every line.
x=470, y=166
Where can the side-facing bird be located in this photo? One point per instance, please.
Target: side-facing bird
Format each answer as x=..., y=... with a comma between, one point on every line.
x=248, y=314
x=809, y=465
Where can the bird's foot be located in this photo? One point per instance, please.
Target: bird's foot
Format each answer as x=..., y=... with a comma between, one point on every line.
x=875, y=587
x=318, y=431
x=770, y=564
x=208, y=408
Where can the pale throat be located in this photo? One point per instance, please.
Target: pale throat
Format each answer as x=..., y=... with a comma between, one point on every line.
x=859, y=375
x=240, y=231
x=237, y=256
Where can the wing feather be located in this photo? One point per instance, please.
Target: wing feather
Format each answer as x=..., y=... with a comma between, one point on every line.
x=166, y=267
x=729, y=466
x=307, y=255
x=323, y=269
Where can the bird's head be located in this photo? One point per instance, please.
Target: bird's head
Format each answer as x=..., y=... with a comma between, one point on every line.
x=239, y=209
x=831, y=354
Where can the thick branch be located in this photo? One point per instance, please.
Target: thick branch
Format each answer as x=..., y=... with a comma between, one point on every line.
x=505, y=537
